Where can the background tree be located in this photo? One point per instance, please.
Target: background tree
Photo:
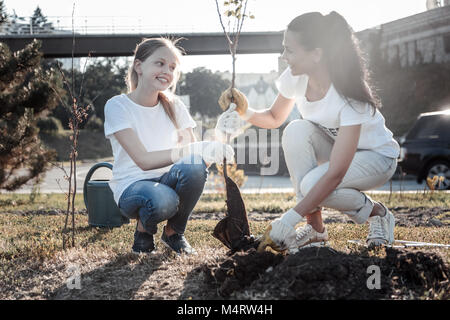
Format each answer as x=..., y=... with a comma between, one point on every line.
x=406, y=91
x=204, y=88
x=96, y=84
x=102, y=80
x=3, y=15
x=39, y=21
x=25, y=95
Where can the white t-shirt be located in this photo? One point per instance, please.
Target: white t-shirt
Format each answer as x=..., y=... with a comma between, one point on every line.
x=154, y=129
x=333, y=111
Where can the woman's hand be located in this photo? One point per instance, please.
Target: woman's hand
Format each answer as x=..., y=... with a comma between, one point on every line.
x=280, y=235
x=235, y=96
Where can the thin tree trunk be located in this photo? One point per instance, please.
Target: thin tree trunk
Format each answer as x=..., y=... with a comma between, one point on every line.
x=75, y=142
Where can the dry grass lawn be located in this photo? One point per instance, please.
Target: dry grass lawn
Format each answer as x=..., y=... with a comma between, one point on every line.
x=34, y=266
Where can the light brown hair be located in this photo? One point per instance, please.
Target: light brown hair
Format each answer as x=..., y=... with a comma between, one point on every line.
x=145, y=49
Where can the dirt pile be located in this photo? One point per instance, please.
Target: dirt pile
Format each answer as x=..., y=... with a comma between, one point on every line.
x=240, y=270
x=323, y=273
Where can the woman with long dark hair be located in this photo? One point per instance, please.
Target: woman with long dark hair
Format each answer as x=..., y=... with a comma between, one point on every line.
x=340, y=146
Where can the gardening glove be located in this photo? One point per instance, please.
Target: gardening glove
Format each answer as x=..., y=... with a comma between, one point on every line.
x=280, y=235
x=229, y=124
x=235, y=96
x=212, y=151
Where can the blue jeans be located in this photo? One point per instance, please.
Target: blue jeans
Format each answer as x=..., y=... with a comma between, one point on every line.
x=170, y=197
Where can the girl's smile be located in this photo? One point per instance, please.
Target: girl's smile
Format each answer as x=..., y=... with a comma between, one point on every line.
x=161, y=66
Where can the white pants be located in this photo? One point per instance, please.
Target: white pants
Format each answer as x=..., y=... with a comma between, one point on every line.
x=307, y=152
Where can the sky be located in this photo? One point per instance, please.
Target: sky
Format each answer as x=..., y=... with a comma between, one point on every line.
x=167, y=16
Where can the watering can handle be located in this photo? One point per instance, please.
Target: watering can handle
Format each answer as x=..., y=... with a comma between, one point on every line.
x=89, y=175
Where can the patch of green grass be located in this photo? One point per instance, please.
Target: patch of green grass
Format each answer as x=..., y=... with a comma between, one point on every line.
x=38, y=237
x=272, y=203
x=40, y=201
x=281, y=202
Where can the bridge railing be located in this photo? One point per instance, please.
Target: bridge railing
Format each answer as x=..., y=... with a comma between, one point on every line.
x=108, y=25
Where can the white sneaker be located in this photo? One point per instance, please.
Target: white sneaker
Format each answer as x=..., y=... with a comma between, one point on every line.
x=308, y=235
x=381, y=229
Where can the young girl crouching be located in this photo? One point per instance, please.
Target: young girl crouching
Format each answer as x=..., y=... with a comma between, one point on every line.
x=159, y=170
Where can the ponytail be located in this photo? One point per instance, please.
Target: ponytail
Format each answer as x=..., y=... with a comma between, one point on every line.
x=341, y=51
x=168, y=108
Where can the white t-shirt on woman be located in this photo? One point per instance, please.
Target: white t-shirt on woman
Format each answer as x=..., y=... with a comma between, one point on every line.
x=333, y=111
x=154, y=129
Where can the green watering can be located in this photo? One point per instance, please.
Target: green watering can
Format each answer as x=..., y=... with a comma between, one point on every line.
x=99, y=200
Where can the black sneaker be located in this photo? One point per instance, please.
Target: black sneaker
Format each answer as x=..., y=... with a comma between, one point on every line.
x=178, y=243
x=143, y=242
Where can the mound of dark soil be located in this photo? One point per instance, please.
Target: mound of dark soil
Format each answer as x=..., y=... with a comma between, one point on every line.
x=322, y=273
x=240, y=270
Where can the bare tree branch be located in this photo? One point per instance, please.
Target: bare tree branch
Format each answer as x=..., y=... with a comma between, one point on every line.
x=242, y=20
x=84, y=71
x=221, y=23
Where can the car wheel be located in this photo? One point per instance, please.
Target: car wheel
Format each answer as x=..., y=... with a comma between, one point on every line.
x=440, y=168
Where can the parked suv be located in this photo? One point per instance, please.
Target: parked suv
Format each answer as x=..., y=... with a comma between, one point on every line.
x=425, y=149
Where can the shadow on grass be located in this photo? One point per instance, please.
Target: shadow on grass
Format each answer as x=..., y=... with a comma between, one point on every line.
x=195, y=287
x=99, y=235
x=119, y=279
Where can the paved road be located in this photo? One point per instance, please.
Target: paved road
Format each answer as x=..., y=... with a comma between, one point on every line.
x=54, y=182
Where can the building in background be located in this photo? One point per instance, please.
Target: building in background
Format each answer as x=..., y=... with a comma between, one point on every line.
x=433, y=4
x=420, y=38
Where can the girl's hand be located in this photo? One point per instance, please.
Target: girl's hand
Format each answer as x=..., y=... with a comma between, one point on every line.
x=212, y=151
x=229, y=123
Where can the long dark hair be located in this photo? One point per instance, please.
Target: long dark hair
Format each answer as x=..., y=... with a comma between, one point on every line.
x=341, y=52
x=144, y=50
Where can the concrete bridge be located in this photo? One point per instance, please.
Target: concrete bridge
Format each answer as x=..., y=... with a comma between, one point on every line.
x=110, y=45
